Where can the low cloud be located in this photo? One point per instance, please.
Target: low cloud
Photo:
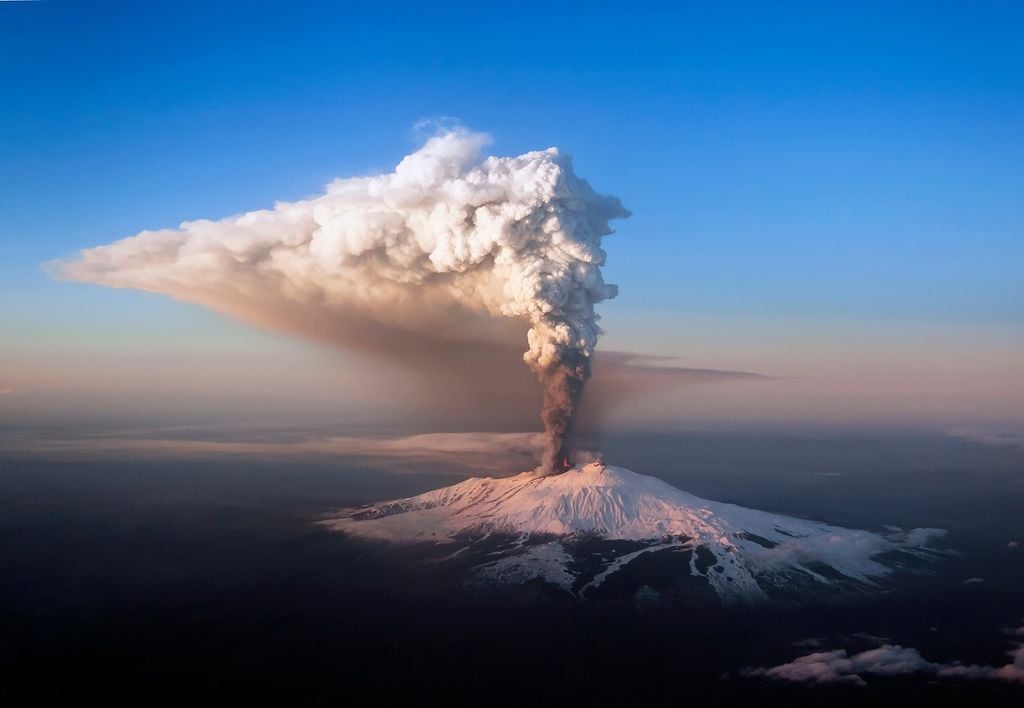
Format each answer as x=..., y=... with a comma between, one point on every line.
x=838, y=666
x=490, y=452
x=888, y=660
x=989, y=437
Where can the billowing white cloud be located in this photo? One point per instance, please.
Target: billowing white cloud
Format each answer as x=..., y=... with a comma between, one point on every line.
x=450, y=247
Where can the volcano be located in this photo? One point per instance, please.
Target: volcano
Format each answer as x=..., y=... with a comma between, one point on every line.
x=577, y=529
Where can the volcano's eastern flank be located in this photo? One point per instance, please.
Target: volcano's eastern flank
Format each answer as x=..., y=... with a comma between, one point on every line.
x=743, y=554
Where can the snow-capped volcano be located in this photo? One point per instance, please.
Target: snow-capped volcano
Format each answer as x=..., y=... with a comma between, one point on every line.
x=531, y=527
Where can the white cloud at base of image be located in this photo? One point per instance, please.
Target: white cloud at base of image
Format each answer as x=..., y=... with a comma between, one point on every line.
x=888, y=660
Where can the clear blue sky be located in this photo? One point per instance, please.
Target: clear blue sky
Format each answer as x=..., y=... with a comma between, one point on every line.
x=799, y=161
x=866, y=161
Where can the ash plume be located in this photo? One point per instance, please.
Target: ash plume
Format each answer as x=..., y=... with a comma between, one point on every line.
x=447, y=253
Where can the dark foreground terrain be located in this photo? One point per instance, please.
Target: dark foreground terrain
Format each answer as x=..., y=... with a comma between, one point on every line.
x=151, y=583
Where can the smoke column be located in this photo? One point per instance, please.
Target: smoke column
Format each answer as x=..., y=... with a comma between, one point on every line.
x=448, y=248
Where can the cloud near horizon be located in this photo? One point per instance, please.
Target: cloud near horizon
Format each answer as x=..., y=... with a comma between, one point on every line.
x=888, y=660
x=485, y=451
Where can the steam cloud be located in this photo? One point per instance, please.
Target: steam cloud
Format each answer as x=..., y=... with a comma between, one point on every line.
x=443, y=253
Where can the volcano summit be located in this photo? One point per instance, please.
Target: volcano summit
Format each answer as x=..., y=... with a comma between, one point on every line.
x=577, y=529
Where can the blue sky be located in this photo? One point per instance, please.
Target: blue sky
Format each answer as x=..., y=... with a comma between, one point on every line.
x=792, y=163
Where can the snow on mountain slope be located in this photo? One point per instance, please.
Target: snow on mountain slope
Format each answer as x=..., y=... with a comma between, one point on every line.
x=740, y=552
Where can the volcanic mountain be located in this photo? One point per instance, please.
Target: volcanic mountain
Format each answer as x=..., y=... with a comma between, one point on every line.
x=576, y=529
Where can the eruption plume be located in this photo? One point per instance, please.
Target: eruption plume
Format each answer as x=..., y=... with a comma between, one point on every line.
x=443, y=252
